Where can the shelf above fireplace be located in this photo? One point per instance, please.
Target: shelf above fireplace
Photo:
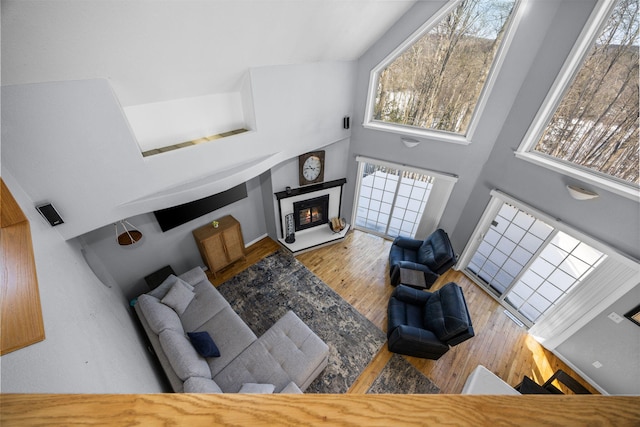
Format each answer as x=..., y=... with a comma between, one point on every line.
x=310, y=188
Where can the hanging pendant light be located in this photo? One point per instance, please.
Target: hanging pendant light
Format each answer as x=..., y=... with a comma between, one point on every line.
x=128, y=236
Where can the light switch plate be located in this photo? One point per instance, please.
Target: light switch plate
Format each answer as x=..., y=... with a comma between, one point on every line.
x=615, y=317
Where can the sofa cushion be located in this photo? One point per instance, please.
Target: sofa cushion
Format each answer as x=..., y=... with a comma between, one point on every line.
x=194, y=276
x=296, y=348
x=203, y=343
x=288, y=351
x=446, y=312
x=436, y=252
x=159, y=316
x=201, y=385
x=161, y=290
x=425, y=254
x=207, y=303
x=184, y=359
x=178, y=297
x=253, y=365
x=231, y=335
x=255, y=388
x=398, y=253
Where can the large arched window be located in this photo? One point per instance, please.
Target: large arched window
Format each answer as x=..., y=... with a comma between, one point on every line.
x=433, y=84
x=588, y=125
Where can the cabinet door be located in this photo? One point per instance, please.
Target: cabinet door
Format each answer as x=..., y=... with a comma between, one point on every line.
x=233, y=242
x=214, y=249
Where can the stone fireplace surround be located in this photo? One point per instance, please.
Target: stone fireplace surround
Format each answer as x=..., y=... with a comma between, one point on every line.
x=317, y=236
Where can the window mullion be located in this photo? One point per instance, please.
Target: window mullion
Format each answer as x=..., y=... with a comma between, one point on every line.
x=526, y=267
x=393, y=203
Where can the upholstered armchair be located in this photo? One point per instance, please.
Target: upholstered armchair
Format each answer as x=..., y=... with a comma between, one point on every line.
x=433, y=256
x=425, y=324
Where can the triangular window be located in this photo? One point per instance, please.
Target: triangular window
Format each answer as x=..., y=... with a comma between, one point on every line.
x=436, y=79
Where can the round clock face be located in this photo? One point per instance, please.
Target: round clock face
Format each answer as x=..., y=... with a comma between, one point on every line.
x=311, y=168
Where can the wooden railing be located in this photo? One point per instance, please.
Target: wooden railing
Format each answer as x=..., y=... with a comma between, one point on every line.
x=21, y=321
x=309, y=409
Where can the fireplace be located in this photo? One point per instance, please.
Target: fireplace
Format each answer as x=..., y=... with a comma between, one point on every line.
x=311, y=212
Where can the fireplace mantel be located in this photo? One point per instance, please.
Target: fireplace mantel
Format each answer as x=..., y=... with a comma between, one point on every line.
x=310, y=188
x=317, y=236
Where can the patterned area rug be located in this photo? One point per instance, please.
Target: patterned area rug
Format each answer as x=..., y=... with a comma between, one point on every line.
x=400, y=377
x=267, y=290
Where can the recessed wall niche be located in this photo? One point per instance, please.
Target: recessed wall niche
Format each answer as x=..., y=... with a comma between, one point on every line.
x=169, y=125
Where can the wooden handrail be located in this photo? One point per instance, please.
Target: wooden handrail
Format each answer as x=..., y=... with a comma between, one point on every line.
x=21, y=321
x=314, y=409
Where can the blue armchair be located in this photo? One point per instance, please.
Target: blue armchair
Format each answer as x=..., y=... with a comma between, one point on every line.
x=425, y=324
x=433, y=256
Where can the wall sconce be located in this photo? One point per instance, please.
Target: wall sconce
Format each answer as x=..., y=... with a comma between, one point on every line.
x=410, y=142
x=580, y=193
x=127, y=236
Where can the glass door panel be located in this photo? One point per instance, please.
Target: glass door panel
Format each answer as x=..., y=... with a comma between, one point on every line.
x=561, y=265
x=377, y=194
x=528, y=264
x=507, y=247
x=391, y=202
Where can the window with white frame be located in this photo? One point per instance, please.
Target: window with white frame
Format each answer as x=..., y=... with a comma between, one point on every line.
x=588, y=125
x=434, y=82
x=540, y=269
x=398, y=200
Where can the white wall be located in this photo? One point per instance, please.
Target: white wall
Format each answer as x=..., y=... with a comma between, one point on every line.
x=176, y=247
x=155, y=51
x=615, y=345
x=92, y=342
x=69, y=143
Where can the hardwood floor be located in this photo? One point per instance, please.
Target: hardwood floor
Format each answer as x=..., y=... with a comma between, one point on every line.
x=357, y=269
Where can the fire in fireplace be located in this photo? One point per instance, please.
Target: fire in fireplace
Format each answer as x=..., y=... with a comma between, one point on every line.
x=311, y=212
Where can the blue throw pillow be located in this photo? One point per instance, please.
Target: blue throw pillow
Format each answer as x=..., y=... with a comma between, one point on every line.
x=203, y=343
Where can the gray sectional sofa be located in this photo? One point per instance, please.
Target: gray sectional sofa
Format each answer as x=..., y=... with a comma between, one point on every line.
x=285, y=359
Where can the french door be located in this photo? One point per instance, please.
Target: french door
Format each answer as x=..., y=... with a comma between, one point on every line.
x=391, y=199
x=527, y=263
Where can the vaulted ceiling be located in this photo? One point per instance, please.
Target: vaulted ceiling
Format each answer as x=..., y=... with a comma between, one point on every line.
x=167, y=49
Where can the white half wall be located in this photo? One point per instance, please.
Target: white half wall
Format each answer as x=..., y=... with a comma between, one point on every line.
x=92, y=343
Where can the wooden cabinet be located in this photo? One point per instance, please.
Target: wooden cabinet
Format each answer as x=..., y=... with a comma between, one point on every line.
x=220, y=246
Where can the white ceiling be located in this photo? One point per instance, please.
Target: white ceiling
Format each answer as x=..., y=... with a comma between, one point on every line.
x=154, y=50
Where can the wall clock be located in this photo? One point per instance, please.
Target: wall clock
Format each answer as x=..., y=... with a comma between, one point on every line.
x=311, y=167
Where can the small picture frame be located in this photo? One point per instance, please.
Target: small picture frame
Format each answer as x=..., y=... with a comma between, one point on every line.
x=634, y=315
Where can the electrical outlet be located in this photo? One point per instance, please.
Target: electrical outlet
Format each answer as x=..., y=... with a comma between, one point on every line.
x=597, y=364
x=615, y=317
